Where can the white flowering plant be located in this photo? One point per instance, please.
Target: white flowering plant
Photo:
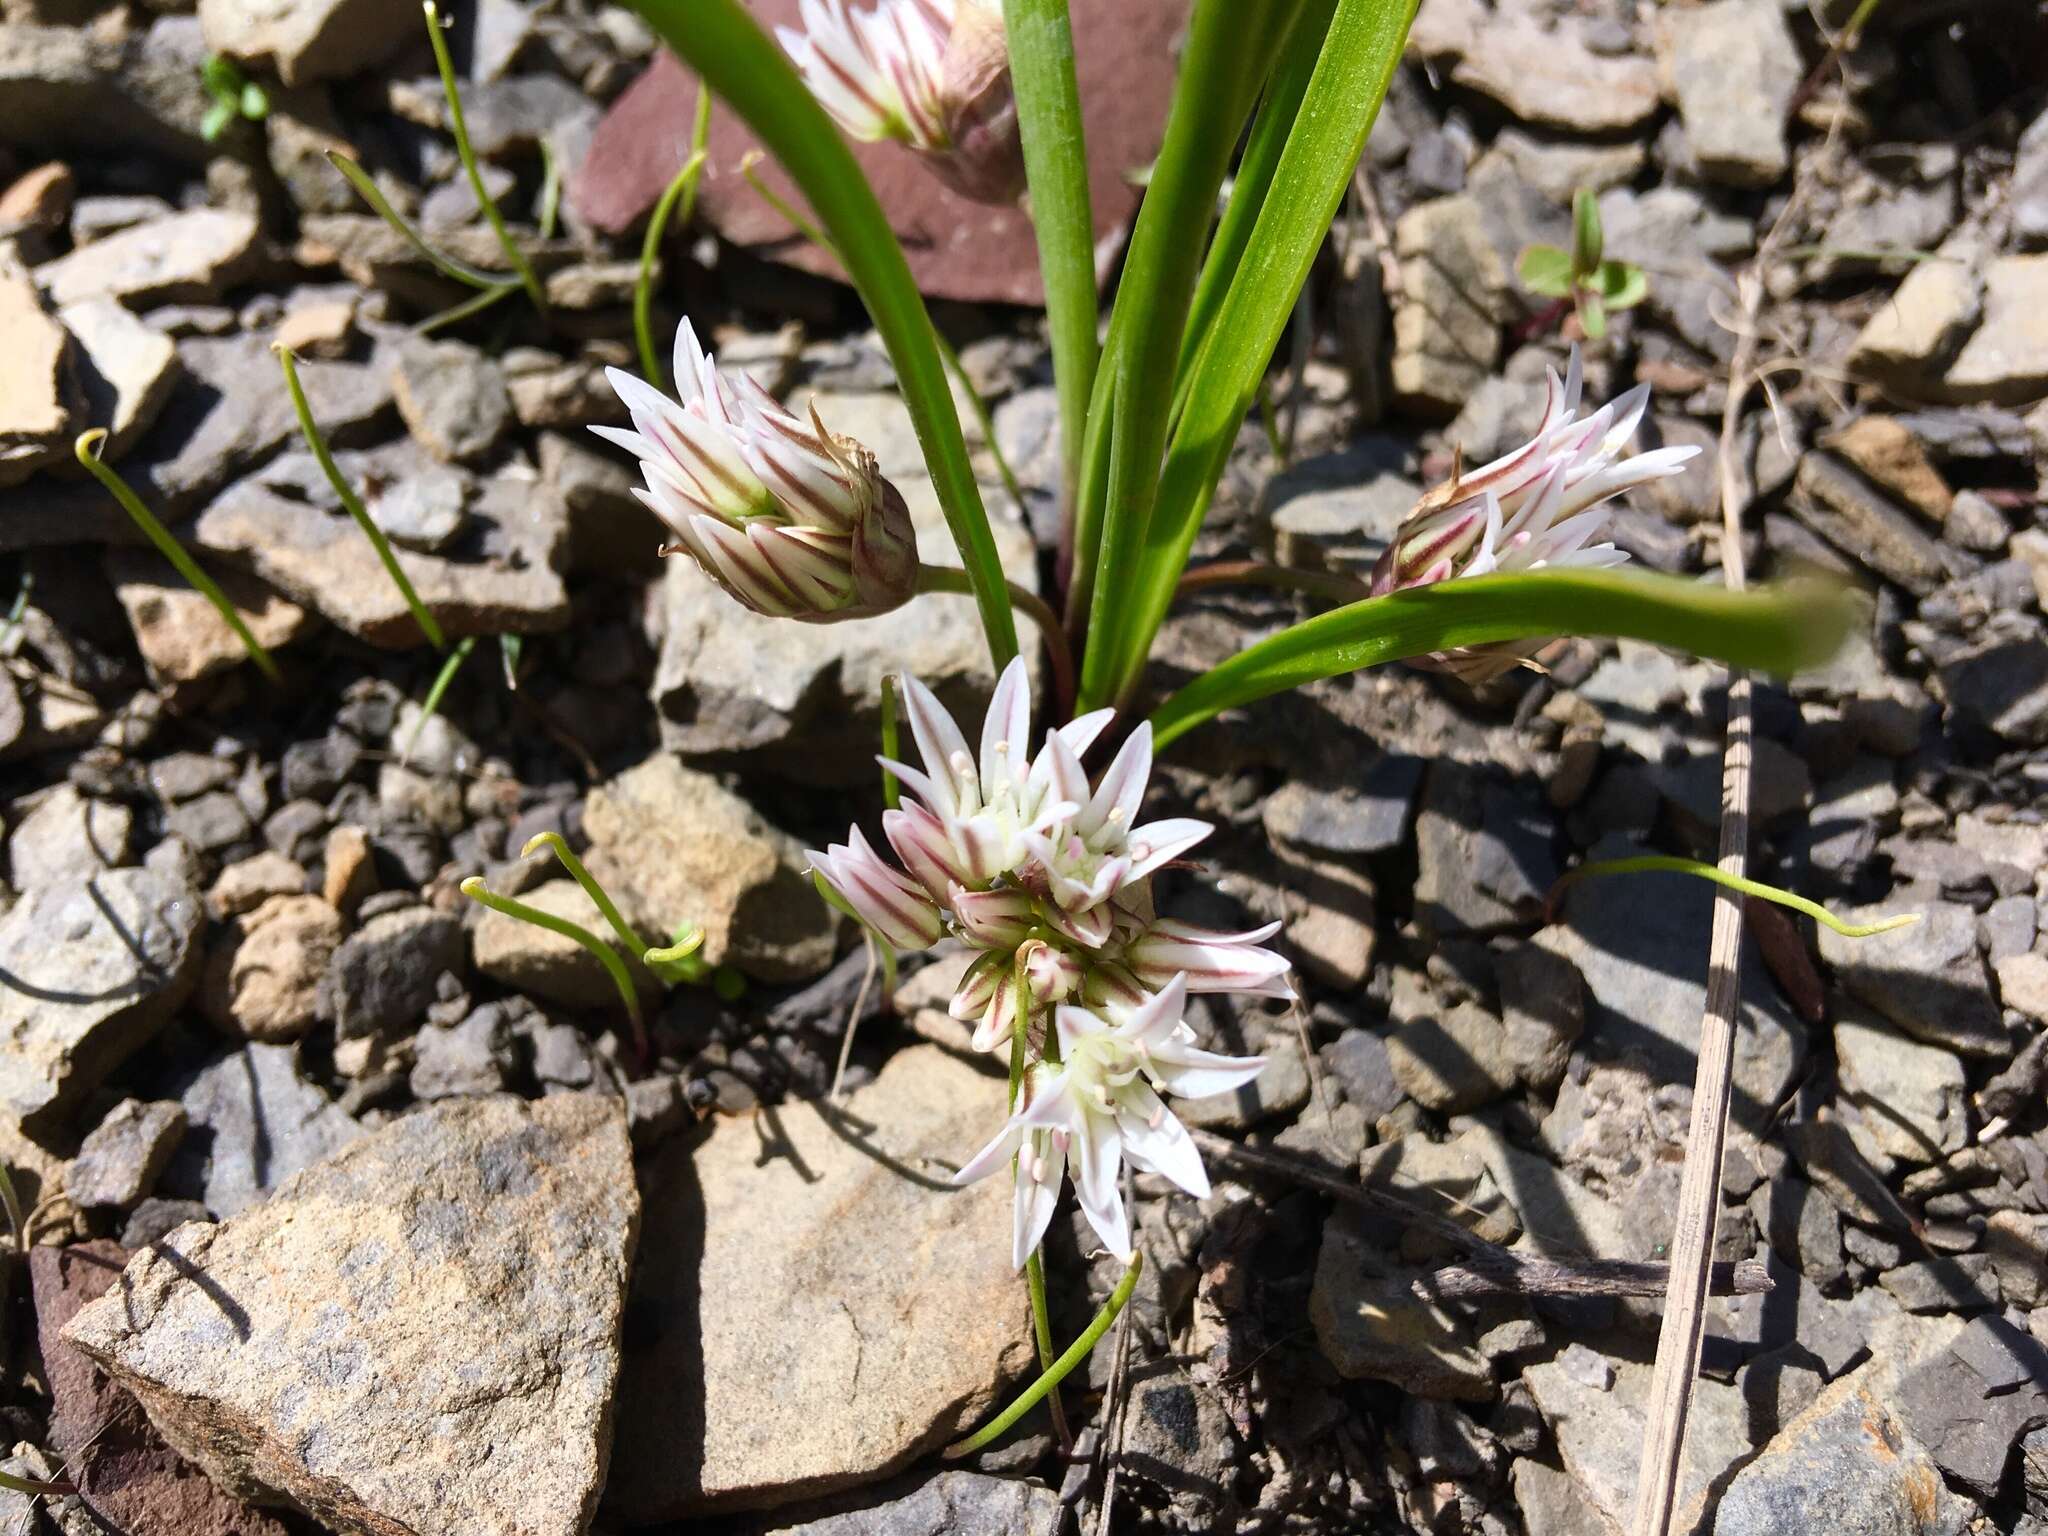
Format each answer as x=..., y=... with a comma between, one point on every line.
x=1011, y=846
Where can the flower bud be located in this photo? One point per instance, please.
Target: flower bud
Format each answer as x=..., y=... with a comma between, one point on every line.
x=931, y=74
x=1542, y=505
x=791, y=519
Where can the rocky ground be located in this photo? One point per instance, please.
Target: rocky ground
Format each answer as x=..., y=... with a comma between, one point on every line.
x=423, y=1245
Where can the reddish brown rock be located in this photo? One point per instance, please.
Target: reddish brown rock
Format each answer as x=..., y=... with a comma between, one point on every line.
x=1124, y=59
x=124, y=1471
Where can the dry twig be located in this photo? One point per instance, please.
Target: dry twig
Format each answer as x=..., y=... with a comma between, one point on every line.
x=1699, y=1191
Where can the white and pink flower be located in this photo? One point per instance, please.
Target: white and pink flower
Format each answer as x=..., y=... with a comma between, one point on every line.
x=1048, y=880
x=1099, y=1106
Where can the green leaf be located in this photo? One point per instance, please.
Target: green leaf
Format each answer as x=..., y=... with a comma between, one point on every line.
x=254, y=102
x=1230, y=48
x=216, y=121
x=459, y=126
x=1586, y=236
x=1328, y=134
x=735, y=57
x=1546, y=270
x=1278, y=108
x=1774, y=629
x=220, y=77
x=1592, y=314
x=1056, y=168
x=1621, y=284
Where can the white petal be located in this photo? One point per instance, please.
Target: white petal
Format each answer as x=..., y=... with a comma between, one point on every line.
x=1006, y=730
x=1196, y=1074
x=1122, y=789
x=1100, y=1155
x=1155, y=1140
x=943, y=749
x=1038, y=1193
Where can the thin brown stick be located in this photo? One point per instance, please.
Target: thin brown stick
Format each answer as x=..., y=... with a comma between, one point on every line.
x=1659, y=1471
x=1581, y=1277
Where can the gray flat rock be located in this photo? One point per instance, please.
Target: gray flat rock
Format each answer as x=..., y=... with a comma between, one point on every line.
x=420, y=1334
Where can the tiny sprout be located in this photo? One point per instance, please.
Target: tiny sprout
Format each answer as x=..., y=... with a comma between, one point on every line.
x=629, y=994
x=234, y=96
x=1592, y=285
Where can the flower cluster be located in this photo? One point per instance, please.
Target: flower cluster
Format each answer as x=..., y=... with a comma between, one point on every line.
x=1544, y=504
x=1047, y=878
x=792, y=520
x=931, y=74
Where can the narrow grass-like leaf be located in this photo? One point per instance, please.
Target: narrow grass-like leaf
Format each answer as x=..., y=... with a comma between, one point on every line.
x=87, y=450
x=1274, y=121
x=475, y=889
x=736, y=58
x=1778, y=630
x=33, y=1488
x=1056, y=168
x=311, y=431
x=680, y=192
x=1316, y=165
x=431, y=705
x=1658, y=863
x=368, y=190
x=467, y=155
x=555, y=842
x=1230, y=48
x=475, y=304
x=683, y=187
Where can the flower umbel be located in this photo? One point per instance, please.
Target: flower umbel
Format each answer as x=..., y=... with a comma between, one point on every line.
x=1048, y=880
x=791, y=519
x=1544, y=504
x=1099, y=1106
x=931, y=74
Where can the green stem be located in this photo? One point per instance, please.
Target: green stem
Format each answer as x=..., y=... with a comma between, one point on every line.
x=352, y=502
x=460, y=129
x=431, y=705
x=1665, y=863
x=1041, y=1326
x=87, y=450
x=10, y=1205
x=981, y=414
x=476, y=891
x=892, y=742
x=1059, y=1370
x=1256, y=573
x=948, y=578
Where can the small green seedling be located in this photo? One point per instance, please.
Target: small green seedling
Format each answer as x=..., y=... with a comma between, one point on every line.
x=1579, y=276
x=235, y=96
x=87, y=450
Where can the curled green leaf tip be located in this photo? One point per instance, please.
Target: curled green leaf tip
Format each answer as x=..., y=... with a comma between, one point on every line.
x=1778, y=895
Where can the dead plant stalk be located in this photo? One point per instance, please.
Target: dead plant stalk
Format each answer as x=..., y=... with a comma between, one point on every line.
x=1658, y=1475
